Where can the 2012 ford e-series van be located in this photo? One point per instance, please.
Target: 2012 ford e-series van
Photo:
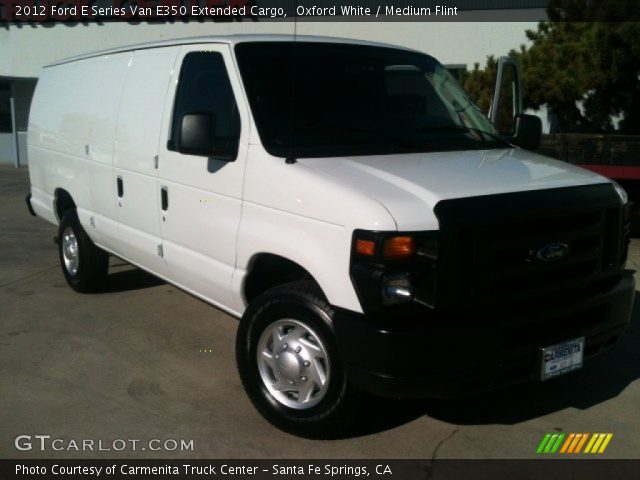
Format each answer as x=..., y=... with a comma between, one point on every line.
x=372, y=228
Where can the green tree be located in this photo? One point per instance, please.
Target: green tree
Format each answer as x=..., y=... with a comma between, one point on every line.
x=578, y=57
x=480, y=82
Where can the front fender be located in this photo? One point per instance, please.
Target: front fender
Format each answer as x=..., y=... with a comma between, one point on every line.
x=321, y=248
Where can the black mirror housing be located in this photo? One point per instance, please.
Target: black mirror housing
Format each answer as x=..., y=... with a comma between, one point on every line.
x=528, y=130
x=196, y=134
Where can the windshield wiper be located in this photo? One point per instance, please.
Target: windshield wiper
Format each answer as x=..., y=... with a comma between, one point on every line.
x=463, y=128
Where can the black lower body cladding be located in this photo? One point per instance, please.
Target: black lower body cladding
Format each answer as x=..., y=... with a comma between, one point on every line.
x=452, y=356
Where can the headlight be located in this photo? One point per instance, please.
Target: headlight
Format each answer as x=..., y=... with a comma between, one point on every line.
x=396, y=288
x=624, y=198
x=389, y=269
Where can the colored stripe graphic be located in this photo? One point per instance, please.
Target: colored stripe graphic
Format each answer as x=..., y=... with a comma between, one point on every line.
x=567, y=442
x=544, y=441
x=555, y=447
x=605, y=443
x=596, y=445
x=550, y=443
x=581, y=443
x=598, y=442
x=594, y=437
x=573, y=443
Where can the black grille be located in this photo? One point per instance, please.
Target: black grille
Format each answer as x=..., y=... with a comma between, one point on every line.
x=505, y=258
x=491, y=245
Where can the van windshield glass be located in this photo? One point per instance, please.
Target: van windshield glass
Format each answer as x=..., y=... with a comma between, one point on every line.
x=326, y=99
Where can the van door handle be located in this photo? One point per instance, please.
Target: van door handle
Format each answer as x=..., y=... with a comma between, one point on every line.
x=120, y=187
x=164, y=198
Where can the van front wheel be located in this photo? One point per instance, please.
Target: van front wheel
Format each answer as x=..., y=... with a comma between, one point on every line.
x=84, y=265
x=289, y=363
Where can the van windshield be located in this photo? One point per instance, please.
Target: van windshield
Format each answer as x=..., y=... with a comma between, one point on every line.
x=329, y=99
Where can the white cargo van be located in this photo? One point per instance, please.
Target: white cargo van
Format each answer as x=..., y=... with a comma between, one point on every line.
x=372, y=228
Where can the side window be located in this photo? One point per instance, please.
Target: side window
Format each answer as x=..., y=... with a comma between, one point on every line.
x=204, y=87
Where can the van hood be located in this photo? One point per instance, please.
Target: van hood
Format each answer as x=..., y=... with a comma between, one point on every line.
x=410, y=185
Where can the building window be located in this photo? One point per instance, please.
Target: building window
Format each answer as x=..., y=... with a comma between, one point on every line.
x=5, y=116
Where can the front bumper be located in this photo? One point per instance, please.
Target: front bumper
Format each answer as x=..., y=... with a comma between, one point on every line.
x=464, y=353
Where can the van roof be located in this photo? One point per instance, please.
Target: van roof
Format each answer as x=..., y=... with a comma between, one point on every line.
x=226, y=39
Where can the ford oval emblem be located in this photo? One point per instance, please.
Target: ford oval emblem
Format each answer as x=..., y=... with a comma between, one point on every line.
x=552, y=251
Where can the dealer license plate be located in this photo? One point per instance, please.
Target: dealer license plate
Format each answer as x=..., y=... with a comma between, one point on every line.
x=562, y=358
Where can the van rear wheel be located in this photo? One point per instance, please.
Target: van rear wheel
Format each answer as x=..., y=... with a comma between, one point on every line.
x=84, y=265
x=289, y=363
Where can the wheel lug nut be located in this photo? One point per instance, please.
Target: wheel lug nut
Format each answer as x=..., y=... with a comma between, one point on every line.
x=298, y=350
x=291, y=382
x=304, y=379
x=285, y=346
x=307, y=363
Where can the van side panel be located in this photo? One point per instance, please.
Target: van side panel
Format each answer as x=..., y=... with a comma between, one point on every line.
x=40, y=166
x=109, y=77
x=137, y=137
x=59, y=125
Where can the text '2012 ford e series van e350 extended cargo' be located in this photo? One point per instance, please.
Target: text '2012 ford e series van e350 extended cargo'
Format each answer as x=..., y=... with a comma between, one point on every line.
x=372, y=228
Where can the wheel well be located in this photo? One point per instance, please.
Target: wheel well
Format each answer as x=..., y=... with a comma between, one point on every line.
x=63, y=202
x=267, y=271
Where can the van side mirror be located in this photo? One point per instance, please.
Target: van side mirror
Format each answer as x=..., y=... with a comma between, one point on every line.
x=528, y=130
x=507, y=96
x=196, y=134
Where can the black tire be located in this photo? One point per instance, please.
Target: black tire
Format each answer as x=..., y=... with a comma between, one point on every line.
x=302, y=301
x=93, y=262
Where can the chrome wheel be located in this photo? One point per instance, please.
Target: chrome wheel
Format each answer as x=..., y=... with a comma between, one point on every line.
x=293, y=364
x=70, y=253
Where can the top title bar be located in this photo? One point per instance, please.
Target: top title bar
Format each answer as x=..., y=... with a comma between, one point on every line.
x=85, y=11
x=134, y=11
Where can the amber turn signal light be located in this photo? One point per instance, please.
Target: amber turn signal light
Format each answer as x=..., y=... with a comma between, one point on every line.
x=398, y=248
x=366, y=247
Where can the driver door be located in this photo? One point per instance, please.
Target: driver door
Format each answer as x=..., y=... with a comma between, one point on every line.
x=201, y=196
